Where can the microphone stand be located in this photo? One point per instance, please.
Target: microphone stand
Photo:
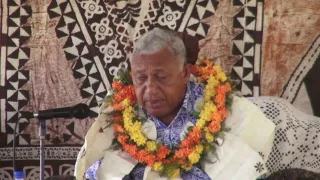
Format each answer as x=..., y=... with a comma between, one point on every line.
x=42, y=136
x=79, y=111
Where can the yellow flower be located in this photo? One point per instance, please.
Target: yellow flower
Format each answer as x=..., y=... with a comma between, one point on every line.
x=125, y=102
x=209, y=90
x=199, y=148
x=135, y=133
x=138, y=138
x=194, y=157
x=173, y=173
x=209, y=107
x=200, y=123
x=151, y=146
x=127, y=117
x=212, y=82
x=218, y=69
x=222, y=76
x=158, y=166
x=207, y=95
x=209, y=137
x=136, y=126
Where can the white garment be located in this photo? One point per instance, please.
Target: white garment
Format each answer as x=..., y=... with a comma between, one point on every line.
x=237, y=157
x=297, y=139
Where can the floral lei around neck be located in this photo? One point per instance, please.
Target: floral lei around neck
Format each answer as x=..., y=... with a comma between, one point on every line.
x=199, y=139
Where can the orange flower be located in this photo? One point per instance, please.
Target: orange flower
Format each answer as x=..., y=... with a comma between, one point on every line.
x=220, y=99
x=186, y=142
x=131, y=93
x=208, y=63
x=214, y=126
x=179, y=154
x=142, y=156
x=125, y=146
x=227, y=87
x=117, y=107
x=195, y=134
x=216, y=117
x=223, y=89
x=223, y=112
x=122, y=139
x=162, y=152
x=151, y=159
x=132, y=150
x=117, y=85
x=118, y=97
x=183, y=153
x=117, y=118
x=118, y=128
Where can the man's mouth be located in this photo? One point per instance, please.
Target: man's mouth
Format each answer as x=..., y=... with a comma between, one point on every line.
x=154, y=104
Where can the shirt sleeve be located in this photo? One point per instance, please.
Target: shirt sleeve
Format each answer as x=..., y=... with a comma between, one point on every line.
x=91, y=173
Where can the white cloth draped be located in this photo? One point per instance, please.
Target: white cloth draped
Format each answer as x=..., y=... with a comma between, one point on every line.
x=242, y=154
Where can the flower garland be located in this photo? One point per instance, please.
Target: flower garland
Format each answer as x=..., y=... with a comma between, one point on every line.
x=199, y=140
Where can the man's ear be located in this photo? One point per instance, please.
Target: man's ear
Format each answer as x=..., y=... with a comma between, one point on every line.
x=186, y=72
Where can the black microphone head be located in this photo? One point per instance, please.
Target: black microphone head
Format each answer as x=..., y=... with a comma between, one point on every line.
x=81, y=111
x=26, y=114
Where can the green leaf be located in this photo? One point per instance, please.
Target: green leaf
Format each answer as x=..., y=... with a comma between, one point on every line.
x=196, y=114
x=115, y=145
x=169, y=169
x=124, y=77
x=189, y=128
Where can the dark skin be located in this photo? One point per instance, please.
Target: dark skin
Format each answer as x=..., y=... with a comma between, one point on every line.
x=159, y=83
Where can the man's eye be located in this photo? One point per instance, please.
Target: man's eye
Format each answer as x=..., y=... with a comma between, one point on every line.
x=141, y=78
x=161, y=77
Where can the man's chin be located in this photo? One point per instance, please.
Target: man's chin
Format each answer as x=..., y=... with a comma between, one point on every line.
x=155, y=112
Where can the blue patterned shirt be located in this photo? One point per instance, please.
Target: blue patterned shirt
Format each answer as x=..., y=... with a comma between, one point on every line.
x=170, y=135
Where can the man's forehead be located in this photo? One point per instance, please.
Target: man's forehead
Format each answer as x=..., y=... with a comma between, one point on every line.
x=144, y=69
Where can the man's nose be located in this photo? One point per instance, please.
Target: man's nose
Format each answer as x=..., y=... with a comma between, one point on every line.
x=151, y=86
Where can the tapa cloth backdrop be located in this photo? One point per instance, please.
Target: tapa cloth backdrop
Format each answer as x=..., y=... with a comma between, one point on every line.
x=57, y=53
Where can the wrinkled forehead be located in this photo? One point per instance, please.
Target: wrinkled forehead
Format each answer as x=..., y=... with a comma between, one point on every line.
x=155, y=62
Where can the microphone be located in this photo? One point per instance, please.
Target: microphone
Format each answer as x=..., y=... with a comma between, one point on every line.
x=79, y=111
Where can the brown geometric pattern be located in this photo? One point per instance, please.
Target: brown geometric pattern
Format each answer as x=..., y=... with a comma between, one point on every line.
x=248, y=45
x=97, y=38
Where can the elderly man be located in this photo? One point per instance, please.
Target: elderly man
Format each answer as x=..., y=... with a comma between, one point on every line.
x=166, y=95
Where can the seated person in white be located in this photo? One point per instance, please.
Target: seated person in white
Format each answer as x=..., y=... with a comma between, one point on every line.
x=174, y=105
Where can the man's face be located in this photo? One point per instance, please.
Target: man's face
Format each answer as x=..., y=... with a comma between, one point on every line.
x=159, y=82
